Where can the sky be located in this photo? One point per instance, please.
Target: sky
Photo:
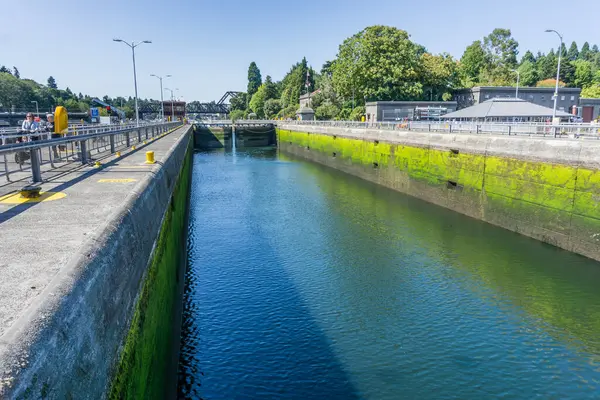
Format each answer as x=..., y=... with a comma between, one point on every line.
x=207, y=45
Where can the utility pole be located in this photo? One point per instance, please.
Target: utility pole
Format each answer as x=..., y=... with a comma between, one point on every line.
x=557, y=72
x=133, y=45
x=162, y=102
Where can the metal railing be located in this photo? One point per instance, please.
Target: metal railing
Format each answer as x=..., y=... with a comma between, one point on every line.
x=582, y=130
x=20, y=160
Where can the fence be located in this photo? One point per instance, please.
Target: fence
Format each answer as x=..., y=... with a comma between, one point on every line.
x=79, y=144
x=562, y=130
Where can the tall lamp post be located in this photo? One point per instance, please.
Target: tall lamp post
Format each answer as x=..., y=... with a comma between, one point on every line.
x=133, y=45
x=557, y=72
x=162, y=102
x=518, y=80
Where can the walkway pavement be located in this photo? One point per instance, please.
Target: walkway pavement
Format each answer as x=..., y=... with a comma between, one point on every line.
x=37, y=239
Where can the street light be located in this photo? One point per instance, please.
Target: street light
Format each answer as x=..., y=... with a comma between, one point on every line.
x=518, y=79
x=557, y=72
x=172, y=109
x=133, y=45
x=37, y=110
x=162, y=102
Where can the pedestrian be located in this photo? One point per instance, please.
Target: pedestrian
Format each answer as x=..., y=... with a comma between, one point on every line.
x=30, y=127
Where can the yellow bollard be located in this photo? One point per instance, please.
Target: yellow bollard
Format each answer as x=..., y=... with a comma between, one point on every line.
x=149, y=157
x=145, y=142
x=97, y=164
x=132, y=147
x=118, y=154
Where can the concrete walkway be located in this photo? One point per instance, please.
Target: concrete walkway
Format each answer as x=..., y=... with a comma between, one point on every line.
x=37, y=239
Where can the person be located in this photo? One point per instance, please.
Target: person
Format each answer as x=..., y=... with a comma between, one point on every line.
x=49, y=127
x=30, y=126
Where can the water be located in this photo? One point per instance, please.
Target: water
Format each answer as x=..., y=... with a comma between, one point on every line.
x=306, y=283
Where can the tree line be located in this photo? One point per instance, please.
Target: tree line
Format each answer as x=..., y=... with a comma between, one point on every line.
x=21, y=93
x=382, y=63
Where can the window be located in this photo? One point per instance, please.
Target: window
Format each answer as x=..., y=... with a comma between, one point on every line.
x=572, y=98
x=562, y=98
x=487, y=96
x=530, y=97
x=561, y=108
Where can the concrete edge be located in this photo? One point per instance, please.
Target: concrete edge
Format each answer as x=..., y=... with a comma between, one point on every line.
x=26, y=330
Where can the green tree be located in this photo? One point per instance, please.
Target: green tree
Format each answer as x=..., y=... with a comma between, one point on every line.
x=584, y=75
x=379, y=62
x=546, y=66
x=528, y=56
x=238, y=102
x=257, y=102
x=254, y=79
x=270, y=89
x=52, y=83
x=591, y=92
x=573, y=53
x=327, y=111
x=585, y=54
x=16, y=73
x=440, y=76
x=472, y=62
x=501, y=48
x=294, y=83
x=236, y=115
x=528, y=73
x=13, y=92
x=272, y=108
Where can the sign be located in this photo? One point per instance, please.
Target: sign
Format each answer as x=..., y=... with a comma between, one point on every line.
x=94, y=113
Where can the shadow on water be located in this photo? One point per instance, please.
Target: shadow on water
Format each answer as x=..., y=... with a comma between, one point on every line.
x=247, y=332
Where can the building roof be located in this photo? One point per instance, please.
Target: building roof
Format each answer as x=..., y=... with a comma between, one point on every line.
x=521, y=88
x=394, y=103
x=504, y=108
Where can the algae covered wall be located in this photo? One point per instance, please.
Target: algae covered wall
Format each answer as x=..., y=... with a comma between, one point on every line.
x=148, y=365
x=547, y=189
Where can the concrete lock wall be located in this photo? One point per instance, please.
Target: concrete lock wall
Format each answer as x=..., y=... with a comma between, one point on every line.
x=107, y=328
x=544, y=188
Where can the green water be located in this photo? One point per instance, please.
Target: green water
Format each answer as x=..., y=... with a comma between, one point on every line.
x=304, y=282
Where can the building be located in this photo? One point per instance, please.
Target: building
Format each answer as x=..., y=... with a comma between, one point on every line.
x=381, y=111
x=506, y=110
x=176, y=108
x=589, y=109
x=567, y=97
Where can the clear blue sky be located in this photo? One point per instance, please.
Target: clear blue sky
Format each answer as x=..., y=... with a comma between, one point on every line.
x=207, y=45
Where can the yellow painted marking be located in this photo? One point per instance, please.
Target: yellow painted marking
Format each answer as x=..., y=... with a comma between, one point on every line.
x=132, y=166
x=15, y=198
x=119, y=180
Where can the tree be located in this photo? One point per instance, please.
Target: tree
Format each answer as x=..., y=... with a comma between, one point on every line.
x=236, y=114
x=238, y=102
x=257, y=103
x=585, y=54
x=327, y=68
x=584, y=75
x=294, y=83
x=5, y=70
x=379, y=62
x=272, y=108
x=254, y=79
x=270, y=89
x=440, y=76
x=528, y=73
x=573, y=53
x=592, y=92
x=501, y=48
x=16, y=73
x=473, y=61
x=546, y=66
x=327, y=111
x=528, y=56
x=52, y=83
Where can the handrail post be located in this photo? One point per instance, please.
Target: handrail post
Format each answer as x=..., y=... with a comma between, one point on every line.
x=112, y=143
x=139, y=134
x=127, y=139
x=83, y=150
x=36, y=171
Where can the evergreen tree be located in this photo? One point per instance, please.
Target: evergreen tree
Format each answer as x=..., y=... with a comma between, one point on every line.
x=528, y=56
x=16, y=73
x=270, y=89
x=254, y=79
x=52, y=83
x=584, y=54
x=5, y=70
x=573, y=52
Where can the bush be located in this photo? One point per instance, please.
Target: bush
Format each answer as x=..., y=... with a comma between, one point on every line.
x=236, y=114
x=326, y=111
x=550, y=83
x=357, y=113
